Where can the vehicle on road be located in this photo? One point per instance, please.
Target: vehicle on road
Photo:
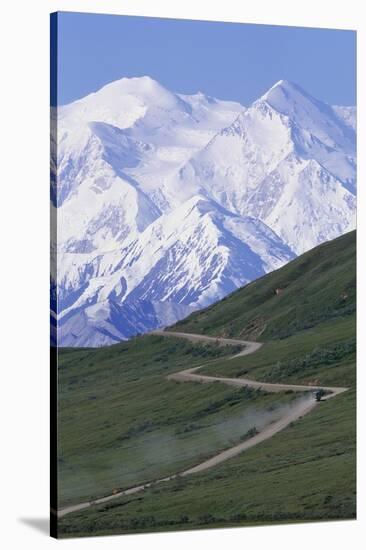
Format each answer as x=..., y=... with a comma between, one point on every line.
x=319, y=394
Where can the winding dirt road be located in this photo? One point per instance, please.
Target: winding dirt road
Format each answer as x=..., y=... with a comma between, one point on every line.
x=190, y=375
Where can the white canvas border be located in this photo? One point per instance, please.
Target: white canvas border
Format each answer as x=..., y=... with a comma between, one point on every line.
x=24, y=268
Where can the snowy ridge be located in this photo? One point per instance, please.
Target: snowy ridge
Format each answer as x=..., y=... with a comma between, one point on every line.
x=167, y=202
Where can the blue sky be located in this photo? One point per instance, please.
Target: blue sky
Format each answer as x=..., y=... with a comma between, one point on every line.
x=226, y=60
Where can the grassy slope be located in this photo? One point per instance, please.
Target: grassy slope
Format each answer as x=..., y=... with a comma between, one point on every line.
x=317, y=286
x=321, y=355
x=121, y=422
x=307, y=471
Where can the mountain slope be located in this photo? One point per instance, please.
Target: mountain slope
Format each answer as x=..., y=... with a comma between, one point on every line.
x=290, y=153
x=318, y=286
x=166, y=202
x=305, y=473
x=182, y=261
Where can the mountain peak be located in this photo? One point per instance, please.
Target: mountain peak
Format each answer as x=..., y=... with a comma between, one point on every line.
x=311, y=114
x=140, y=86
x=122, y=102
x=285, y=90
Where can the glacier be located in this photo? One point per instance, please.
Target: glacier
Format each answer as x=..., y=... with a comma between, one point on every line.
x=162, y=203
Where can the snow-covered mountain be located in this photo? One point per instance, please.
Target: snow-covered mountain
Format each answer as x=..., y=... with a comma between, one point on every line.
x=165, y=202
x=288, y=160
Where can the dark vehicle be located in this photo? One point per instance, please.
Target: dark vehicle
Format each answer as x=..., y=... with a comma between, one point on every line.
x=319, y=394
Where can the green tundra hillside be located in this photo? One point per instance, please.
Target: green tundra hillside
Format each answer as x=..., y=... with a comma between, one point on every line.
x=123, y=420
x=318, y=286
